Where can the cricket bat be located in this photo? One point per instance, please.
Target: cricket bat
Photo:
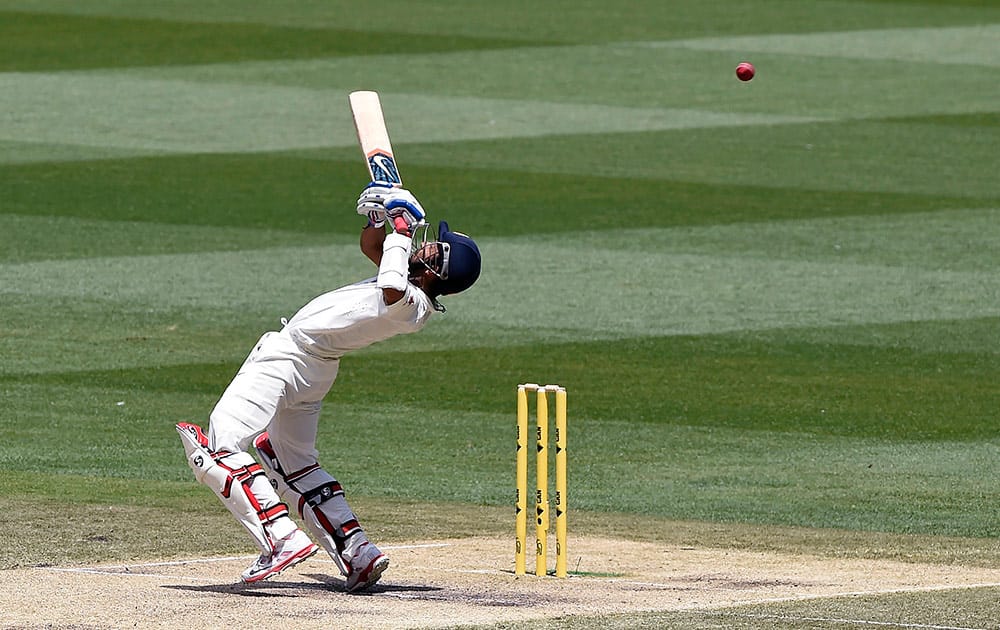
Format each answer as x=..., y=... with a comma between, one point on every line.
x=374, y=138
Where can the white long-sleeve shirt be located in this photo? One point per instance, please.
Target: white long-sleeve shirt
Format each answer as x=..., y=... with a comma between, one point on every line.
x=356, y=316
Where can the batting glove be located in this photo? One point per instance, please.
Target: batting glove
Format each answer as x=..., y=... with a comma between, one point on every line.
x=404, y=211
x=371, y=202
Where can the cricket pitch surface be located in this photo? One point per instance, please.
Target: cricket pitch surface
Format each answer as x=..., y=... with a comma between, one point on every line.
x=449, y=582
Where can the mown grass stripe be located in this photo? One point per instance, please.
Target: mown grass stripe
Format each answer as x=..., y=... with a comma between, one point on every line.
x=163, y=116
x=948, y=239
x=39, y=41
x=851, y=156
x=658, y=467
x=974, y=45
x=556, y=20
x=25, y=238
x=713, y=289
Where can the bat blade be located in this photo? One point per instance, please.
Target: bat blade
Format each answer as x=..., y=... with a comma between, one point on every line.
x=373, y=136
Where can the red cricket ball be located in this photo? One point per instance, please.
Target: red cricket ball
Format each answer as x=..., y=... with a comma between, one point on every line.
x=745, y=71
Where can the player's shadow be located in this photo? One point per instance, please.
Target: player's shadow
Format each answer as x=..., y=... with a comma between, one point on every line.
x=323, y=583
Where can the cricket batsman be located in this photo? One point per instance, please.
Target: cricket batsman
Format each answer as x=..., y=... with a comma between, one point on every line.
x=273, y=403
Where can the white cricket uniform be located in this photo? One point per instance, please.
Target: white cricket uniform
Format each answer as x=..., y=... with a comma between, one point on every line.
x=281, y=384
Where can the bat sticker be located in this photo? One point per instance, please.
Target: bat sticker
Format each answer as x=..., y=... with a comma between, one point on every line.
x=383, y=169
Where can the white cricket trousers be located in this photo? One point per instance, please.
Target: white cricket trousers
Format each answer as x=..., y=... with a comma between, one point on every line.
x=278, y=389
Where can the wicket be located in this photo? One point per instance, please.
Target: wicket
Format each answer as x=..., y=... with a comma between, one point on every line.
x=541, y=478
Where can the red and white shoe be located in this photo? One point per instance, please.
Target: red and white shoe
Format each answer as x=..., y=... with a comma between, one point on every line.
x=366, y=567
x=288, y=551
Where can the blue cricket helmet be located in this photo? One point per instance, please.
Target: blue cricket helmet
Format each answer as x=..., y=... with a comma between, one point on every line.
x=464, y=261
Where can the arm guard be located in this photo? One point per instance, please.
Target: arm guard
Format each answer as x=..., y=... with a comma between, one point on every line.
x=394, y=269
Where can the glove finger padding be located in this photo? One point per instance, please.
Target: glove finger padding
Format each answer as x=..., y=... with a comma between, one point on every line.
x=375, y=192
x=367, y=205
x=374, y=211
x=370, y=203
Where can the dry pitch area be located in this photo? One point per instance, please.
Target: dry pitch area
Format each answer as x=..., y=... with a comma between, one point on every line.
x=447, y=582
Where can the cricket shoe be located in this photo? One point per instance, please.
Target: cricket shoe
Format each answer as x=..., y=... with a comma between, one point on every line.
x=366, y=567
x=288, y=551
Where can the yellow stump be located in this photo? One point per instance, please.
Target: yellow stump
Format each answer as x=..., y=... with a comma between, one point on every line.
x=542, y=478
x=560, y=482
x=521, y=493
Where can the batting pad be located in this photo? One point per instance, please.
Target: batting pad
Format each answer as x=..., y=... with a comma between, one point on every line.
x=322, y=529
x=240, y=483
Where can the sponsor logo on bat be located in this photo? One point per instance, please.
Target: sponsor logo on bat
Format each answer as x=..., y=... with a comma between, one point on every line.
x=383, y=168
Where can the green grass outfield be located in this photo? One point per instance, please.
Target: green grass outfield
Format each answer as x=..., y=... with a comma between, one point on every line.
x=775, y=304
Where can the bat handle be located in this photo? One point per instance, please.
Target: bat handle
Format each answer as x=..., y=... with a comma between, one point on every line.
x=401, y=225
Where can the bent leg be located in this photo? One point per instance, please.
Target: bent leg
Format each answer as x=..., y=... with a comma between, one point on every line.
x=292, y=440
x=319, y=499
x=239, y=482
x=221, y=459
